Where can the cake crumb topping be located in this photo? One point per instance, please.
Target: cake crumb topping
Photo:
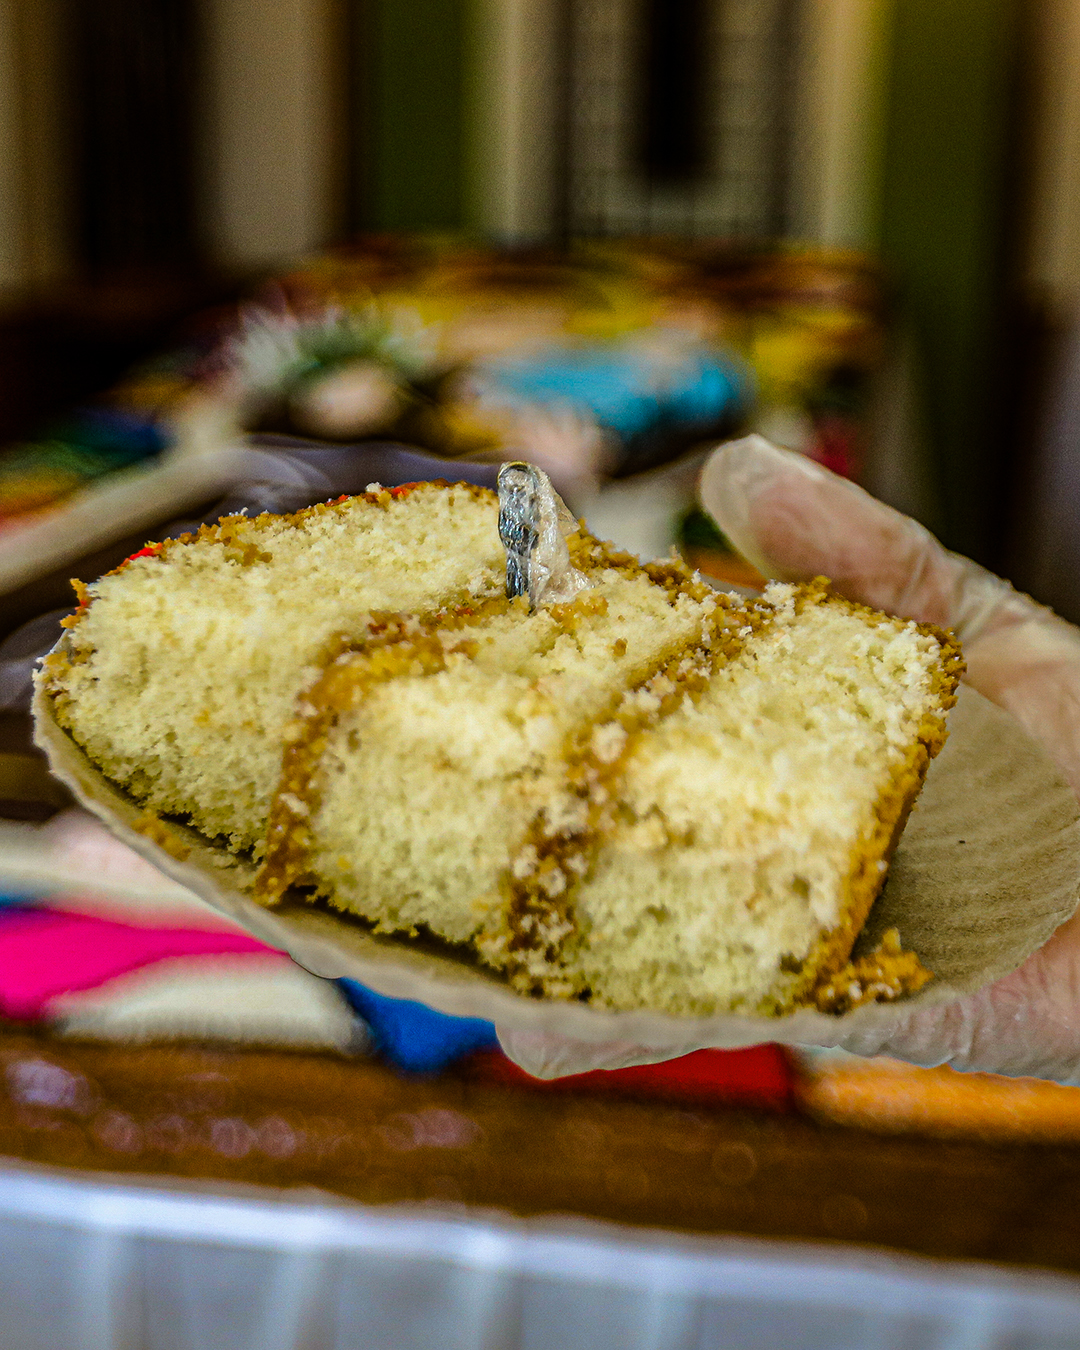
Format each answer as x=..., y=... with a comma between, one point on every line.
x=887, y=973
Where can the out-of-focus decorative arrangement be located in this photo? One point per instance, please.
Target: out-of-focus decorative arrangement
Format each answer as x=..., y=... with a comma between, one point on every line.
x=599, y=363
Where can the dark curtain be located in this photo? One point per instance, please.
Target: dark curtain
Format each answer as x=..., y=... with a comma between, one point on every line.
x=133, y=65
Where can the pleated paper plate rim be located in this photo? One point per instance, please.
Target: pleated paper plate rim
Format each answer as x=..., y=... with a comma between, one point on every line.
x=988, y=867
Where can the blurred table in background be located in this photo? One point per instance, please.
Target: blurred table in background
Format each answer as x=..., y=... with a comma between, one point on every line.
x=601, y=362
x=96, y=1266
x=194, y=1198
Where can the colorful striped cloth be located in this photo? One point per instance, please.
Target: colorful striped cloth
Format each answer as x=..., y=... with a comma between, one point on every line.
x=91, y=974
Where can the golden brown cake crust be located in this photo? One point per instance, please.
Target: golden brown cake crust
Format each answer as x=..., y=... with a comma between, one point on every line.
x=239, y=534
x=822, y=974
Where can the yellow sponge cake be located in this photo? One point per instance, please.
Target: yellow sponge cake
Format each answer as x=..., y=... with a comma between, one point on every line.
x=647, y=795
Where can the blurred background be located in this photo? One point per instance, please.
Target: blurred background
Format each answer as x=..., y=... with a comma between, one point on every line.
x=255, y=252
x=155, y=157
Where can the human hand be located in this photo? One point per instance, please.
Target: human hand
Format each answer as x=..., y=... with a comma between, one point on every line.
x=795, y=520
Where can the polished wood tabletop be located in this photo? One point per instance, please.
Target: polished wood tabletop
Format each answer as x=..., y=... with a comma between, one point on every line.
x=362, y=1131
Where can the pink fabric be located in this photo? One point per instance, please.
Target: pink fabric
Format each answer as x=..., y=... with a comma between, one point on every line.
x=44, y=953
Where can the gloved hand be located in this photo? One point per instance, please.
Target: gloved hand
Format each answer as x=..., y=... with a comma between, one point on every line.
x=795, y=520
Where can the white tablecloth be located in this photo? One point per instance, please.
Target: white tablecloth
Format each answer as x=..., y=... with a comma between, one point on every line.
x=108, y=1264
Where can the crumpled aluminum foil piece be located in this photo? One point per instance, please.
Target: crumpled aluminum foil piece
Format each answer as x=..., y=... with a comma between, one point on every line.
x=533, y=525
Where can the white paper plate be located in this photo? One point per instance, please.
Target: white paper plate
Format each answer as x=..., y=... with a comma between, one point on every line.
x=987, y=868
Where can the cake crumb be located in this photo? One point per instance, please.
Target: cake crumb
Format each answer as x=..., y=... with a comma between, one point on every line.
x=154, y=828
x=887, y=973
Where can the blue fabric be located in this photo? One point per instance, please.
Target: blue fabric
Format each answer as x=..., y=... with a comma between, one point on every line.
x=413, y=1036
x=15, y=902
x=622, y=389
x=119, y=431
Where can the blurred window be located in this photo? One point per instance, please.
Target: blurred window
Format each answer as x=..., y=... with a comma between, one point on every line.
x=679, y=115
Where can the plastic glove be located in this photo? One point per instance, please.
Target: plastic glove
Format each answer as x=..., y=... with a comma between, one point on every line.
x=795, y=520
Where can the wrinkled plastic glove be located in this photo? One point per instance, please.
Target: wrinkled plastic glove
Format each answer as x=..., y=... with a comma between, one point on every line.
x=795, y=520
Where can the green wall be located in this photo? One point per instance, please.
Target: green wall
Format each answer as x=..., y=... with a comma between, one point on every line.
x=945, y=208
x=412, y=141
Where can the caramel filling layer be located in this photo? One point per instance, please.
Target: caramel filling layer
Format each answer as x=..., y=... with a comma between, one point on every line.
x=394, y=646
x=562, y=840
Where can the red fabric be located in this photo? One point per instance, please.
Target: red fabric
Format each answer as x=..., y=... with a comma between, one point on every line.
x=44, y=954
x=837, y=446
x=762, y=1076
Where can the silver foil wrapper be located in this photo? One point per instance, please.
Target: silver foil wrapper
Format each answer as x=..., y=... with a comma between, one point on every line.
x=533, y=525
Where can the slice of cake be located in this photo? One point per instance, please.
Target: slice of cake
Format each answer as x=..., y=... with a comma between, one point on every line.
x=649, y=795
